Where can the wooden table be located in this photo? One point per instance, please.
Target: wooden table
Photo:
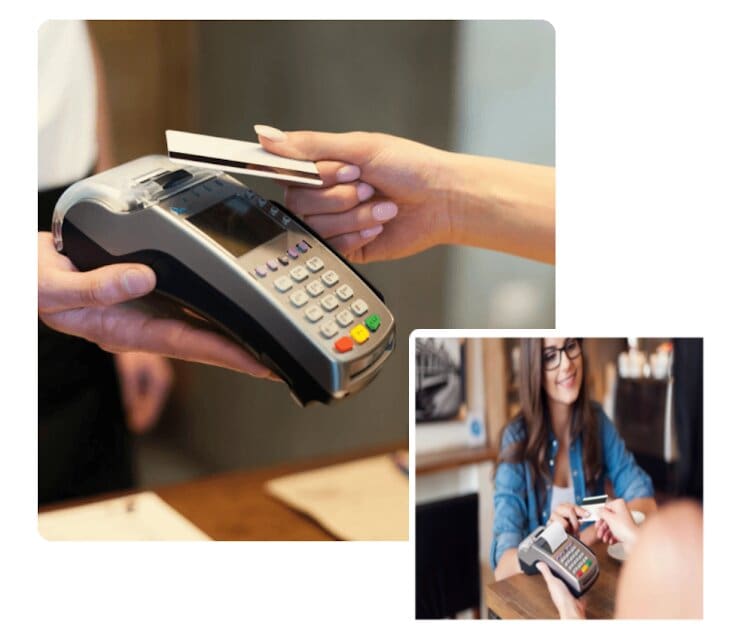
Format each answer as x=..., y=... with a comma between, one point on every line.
x=524, y=597
x=235, y=506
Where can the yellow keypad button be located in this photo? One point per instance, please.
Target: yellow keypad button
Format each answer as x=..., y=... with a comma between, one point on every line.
x=359, y=333
x=584, y=568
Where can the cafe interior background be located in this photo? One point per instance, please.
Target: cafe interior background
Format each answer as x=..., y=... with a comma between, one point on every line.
x=480, y=87
x=466, y=391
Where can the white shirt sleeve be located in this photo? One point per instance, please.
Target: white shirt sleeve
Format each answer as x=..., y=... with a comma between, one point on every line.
x=67, y=94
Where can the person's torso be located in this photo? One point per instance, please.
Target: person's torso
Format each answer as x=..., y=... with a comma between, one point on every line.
x=67, y=108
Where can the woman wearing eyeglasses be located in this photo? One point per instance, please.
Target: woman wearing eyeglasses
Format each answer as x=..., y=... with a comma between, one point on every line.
x=560, y=448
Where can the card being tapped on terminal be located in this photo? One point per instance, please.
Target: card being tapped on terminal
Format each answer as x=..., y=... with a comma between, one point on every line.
x=238, y=156
x=593, y=505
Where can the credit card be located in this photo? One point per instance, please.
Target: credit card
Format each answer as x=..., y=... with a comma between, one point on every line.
x=593, y=505
x=238, y=156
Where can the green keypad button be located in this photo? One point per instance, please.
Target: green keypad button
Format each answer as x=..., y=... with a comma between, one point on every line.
x=373, y=322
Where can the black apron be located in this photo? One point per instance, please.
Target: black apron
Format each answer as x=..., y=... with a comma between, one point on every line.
x=84, y=445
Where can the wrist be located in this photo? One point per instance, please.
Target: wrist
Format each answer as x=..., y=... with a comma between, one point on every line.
x=501, y=205
x=447, y=195
x=629, y=536
x=459, y=196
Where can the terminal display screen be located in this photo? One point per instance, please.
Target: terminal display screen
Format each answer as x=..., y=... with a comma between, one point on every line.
x=237, y=225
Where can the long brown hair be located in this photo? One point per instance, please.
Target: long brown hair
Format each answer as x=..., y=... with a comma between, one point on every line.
x=534, y=411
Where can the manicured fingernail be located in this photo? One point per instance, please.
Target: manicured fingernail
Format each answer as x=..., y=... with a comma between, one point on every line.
x=373, y=232
x=270, y=133
x=384, y=211
x=136, y=282
x=348, y=173
x=364, y=191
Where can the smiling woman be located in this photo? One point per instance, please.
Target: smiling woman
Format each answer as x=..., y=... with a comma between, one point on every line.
x=560, y=448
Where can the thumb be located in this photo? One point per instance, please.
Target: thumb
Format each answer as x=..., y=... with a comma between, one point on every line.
x=353, y=148
x=544, y=570
x=548, y=576
x=104, y=286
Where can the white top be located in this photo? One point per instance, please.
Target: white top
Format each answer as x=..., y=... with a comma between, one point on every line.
x=560, y=495
x=67, y=116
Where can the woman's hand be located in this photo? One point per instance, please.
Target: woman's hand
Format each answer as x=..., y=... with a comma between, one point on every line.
x=383, y=197
x=90, y=305
x=145, y=383
x=567, y=605
x=567, y=515
x=604, y=533
x=617, y=524
x=386, y=197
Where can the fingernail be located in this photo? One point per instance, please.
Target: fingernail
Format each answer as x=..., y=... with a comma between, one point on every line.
x=348, y=173
x=373, y=232
x=384, y=211
x=270, y=133
x=364, y=191
x=136, y=282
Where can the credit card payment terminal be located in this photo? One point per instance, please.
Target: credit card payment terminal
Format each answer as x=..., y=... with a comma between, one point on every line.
x=247, y=265
x=568, y=558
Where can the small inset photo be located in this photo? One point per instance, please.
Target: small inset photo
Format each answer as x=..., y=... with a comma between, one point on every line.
x=557, y=477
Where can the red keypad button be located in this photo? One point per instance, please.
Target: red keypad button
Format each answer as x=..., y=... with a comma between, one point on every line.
x=344, y=344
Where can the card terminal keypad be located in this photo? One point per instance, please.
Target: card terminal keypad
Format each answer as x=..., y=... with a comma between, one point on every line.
x=573, y=558
x=331, y=316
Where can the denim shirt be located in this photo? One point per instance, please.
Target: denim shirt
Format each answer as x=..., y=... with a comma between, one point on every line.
x=516, y=512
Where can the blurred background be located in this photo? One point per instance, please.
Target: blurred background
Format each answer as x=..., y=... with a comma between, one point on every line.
x=479, y=87
x=651, y=388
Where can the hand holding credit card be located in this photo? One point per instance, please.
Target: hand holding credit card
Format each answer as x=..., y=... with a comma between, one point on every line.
x=238, y=156
x=593, y=505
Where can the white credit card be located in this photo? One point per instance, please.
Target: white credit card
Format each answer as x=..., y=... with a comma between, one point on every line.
x=237, y=156
x=593, y=505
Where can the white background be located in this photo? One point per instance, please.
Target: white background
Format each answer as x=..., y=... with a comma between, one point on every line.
x=653, y=214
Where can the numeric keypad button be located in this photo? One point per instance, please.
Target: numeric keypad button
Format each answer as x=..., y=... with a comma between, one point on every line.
x=344, y=318
x=329, y=302
x=328, y=329
x=283, y=284
x=359, y=307
x=299, y=274
x=330, y=278
x=299, y=298
x=314, y=314
x=344, y=292
x=314, y=264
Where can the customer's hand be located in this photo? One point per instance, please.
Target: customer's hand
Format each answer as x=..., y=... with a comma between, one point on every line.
x=90, y=305
x=567, y=515
x=145, y=383
x=383, y=197
x=386, y=197
x=603, y=533
x=567, y=605
x=617, y=524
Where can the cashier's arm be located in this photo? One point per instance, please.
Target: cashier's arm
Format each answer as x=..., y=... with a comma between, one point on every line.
x=90, y=305
x=508, y=564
